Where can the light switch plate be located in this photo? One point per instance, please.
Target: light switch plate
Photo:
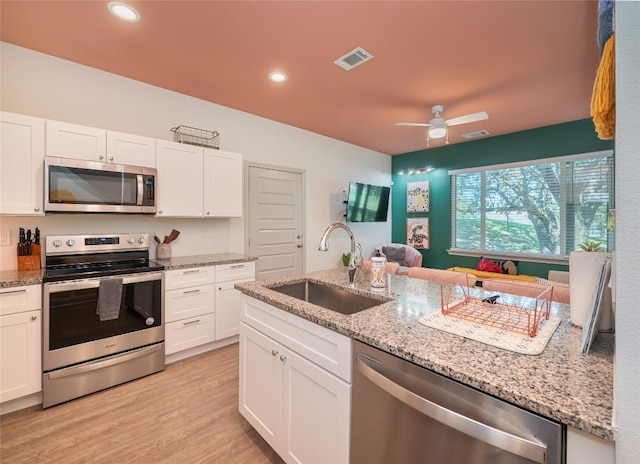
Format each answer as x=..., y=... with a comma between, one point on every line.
x=5, y=238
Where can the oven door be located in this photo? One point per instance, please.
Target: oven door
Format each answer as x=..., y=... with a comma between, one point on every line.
x=73, y=332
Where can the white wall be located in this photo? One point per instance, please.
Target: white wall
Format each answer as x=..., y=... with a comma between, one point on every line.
x=41, y=85
x=627, y=364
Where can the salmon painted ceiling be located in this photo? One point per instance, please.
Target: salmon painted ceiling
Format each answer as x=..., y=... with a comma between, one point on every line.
x=527, y=64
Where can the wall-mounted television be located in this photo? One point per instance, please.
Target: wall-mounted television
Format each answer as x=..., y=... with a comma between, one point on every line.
x=367, y=203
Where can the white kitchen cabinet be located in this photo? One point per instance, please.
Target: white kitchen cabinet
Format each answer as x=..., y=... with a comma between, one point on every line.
x=228, y=304
x=180, y=179
x=295, y=385
x=222, y=184
x=20, y=341
x=21, y=164
x=67, y=140
x=198, y=182
x=189, y=308
x=134, y=150
x=584, y=448
x=75, y=141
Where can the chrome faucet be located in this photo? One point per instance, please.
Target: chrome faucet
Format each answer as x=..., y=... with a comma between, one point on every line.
x=355, y=260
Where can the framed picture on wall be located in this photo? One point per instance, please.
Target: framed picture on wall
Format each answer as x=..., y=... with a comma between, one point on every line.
x=418, y=197
x=418, y=233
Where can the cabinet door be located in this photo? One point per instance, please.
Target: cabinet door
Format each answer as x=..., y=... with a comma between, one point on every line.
x=75, y=141
x=228, y=307
x=130, y=149
x=21, y=164
x=20, y=347
x=179, y=190
x=261, y=384
x=316, y=415
x=222, y=184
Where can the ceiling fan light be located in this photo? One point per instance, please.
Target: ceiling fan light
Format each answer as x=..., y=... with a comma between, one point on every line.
x=437, y=131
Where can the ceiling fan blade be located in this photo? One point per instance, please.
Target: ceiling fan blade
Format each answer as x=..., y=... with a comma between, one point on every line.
x=418, y=124
x=467, y=118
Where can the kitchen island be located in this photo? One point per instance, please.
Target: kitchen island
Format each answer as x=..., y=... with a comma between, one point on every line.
x=561, y=383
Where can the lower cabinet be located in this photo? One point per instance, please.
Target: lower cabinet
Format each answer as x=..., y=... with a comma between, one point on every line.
x=300, y=408
x=20, y=342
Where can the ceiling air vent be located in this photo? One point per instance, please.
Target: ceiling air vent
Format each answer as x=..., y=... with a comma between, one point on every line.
x=473, y=135
x=353, y=58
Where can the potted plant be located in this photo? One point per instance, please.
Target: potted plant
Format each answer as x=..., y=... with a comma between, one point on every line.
x=345, y=258
x=591, y=246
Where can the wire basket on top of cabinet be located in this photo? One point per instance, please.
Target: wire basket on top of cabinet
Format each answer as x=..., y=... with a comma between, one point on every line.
x=195, y=136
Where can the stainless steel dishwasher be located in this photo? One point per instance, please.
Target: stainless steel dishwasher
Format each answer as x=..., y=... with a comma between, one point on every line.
x=403, y=413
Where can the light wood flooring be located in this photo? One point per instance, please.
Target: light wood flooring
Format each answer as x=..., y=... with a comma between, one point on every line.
x=186, y=414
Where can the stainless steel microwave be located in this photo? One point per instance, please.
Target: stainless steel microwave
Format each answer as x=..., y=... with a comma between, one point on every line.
x=79, y=186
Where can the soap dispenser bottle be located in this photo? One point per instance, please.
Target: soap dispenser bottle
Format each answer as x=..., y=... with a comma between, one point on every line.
x=378, y=274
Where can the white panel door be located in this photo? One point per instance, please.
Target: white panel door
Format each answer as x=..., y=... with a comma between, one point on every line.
x=275, y=221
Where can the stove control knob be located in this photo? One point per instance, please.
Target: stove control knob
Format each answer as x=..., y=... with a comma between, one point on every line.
x=71, y=242
x=141, y=240
x=131, y=240
x=57, y=243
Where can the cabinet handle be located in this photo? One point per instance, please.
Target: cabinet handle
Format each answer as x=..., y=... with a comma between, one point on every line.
x=207, y=213
x=23, y=290
x=274, y=352
x=235, y=266
x=283, y=357
x=33, y=318
x=191, y=291
x=160, y=212
x=194, y=271
x=100, y=157
x=111, y=158
x=191, y=322
x=36, y=209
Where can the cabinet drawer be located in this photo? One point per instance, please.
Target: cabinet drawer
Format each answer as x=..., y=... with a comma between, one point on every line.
x=192, y=277
x=189, y=302
x=235, y=271
x=326, y=348
x=18, y=299
x=188, y=333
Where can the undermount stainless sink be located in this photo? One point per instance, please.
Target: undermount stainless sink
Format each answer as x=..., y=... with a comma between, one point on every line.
x=335, y=299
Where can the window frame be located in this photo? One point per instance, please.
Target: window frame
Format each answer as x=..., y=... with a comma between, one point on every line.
x=529, y=257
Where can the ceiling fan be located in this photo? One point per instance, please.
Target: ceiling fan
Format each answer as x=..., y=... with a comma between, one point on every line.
x=438, y=125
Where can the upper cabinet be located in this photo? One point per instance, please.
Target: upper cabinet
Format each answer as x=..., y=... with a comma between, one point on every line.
x=92, y=144
x=222, y=183
x=198, y=182
x=180, y=179
x=21, y=164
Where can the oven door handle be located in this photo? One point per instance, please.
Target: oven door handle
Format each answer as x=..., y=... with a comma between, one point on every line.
x=514, y=444
x=65, y=286
x=104, y=362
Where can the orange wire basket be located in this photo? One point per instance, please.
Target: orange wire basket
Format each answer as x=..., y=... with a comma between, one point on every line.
x=520, y=314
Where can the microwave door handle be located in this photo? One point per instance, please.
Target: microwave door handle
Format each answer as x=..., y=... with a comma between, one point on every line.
x=140, y=190
x=519, y=446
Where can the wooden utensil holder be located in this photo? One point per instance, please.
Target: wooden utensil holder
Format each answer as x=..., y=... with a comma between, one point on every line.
x=30, y=262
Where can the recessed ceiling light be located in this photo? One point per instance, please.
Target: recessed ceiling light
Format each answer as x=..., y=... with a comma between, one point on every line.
x=124, y=12
x=278, y=76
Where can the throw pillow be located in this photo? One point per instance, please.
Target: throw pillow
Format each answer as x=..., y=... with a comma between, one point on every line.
x=488, y=266
x=395, y=255
x=509, y=267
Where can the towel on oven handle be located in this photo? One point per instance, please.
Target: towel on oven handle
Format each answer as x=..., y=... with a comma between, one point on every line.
x=109, y=297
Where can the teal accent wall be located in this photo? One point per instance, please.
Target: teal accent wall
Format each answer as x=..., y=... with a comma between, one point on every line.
x=545, y=142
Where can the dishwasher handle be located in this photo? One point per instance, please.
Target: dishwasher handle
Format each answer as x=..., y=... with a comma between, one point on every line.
x=519, y=446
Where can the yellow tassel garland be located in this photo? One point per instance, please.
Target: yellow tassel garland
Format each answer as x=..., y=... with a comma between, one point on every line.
x=603, y=100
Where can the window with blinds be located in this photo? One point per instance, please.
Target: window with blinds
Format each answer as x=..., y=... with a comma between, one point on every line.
x=543, y=208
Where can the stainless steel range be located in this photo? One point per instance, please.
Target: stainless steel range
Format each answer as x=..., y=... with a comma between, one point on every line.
x=103, y=321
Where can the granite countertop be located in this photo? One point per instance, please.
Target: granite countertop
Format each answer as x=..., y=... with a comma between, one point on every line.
x=15, y=278
x=561, y=383
x=185, y=262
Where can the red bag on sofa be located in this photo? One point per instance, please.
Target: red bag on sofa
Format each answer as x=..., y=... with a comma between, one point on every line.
x=489, y=266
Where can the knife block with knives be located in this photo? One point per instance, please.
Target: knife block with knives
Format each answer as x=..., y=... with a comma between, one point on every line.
x=29, y=251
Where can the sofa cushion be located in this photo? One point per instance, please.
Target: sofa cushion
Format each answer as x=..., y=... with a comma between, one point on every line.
x=395, y=255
